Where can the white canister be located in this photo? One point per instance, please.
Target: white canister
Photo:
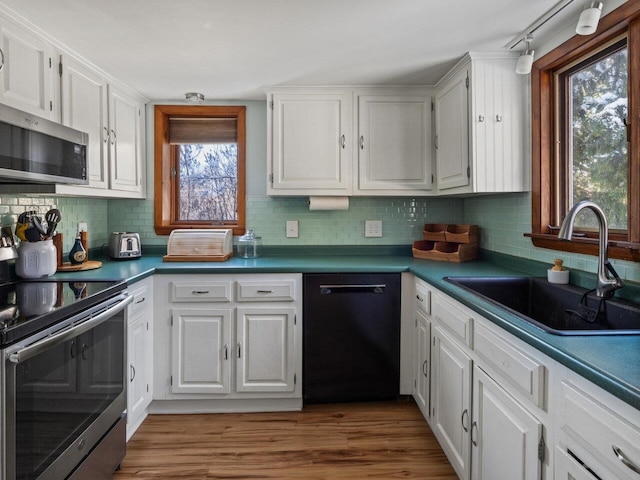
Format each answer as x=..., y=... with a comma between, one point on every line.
x=36, y=259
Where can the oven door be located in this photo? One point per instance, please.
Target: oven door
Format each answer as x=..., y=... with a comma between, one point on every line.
x=64, y=391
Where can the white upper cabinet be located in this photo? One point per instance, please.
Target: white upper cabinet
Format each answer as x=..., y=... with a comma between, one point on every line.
x=84, y=107
x=481, y=126
x=26, y=71
x=394, y=145
x=312, y=150
x=309, y=142
x=114, y=121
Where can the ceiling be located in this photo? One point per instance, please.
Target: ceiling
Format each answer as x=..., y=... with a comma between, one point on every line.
x=231, y=49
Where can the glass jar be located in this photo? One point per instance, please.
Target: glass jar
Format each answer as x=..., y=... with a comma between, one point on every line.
x=249, y=245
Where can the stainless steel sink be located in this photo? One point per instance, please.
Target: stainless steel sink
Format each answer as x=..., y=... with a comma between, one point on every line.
x=557, y=309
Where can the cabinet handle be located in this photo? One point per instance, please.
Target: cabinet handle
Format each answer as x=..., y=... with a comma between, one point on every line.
x=474, y=440
x=420, y=298
x=83, y=351
x=1, y=59
x=265, y=291
x=424, y=368
x=199, y=292
x=465, y=413
x=133, y=373
x=113, y=139
x=480, y=118
x=239, y=350
x=226, y=352
x=343, y=141
x=625, y=461
x=361, y=142
x=498, y=118
x=435, y=142
x=72, y=350
x=141, y=300
x=106, y=134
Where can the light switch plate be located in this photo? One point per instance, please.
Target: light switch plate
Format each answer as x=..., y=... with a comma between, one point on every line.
x=373, y=228
x=292, y=229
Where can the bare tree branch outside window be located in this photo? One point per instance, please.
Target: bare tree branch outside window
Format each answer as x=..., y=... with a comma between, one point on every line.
x=208, y=176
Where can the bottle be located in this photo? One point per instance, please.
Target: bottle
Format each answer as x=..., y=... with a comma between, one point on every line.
x=78, y=254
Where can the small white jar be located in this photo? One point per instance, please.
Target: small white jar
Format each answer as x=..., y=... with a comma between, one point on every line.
x=36, y=259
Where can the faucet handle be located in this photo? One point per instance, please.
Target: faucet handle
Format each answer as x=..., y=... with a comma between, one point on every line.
x=619, y=281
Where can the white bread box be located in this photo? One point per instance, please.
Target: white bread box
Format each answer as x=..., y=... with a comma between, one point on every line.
x=199, y=245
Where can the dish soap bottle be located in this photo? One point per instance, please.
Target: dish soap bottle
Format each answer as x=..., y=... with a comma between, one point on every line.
x=78, y=254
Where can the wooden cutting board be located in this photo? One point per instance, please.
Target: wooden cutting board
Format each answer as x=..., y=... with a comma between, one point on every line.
x=88, y=265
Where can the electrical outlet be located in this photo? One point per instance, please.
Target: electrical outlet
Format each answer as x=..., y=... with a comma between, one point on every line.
x=373, y=228
x=82, y=227
x=292, y=229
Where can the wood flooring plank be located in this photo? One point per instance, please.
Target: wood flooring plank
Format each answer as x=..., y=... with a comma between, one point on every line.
x=382, y=440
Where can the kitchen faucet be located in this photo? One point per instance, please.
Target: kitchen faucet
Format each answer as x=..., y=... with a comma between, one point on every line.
x=605, y=286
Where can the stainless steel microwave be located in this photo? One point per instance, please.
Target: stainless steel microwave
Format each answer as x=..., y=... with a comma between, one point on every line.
x=37, y=150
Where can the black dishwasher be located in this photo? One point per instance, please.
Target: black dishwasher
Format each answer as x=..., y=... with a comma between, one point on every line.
x=351, y=345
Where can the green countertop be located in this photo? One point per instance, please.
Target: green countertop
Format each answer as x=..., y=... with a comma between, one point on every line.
x=610, y=361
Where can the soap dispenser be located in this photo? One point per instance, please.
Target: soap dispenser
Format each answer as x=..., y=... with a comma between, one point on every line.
x=557, y=273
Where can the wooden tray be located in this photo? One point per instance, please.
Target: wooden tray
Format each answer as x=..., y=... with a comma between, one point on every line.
x=434, y=231
x=197, y=258
x=445, y=251
x=459, y=233
x=88, y=265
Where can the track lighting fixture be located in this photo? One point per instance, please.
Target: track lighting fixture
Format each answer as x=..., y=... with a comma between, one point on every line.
x=525, y=60
x=589, y=18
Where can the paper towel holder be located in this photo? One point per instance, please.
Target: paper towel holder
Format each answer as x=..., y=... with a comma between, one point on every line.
x=328, y=202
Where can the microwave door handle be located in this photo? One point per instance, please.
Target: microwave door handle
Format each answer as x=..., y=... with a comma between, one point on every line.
x=35, y=349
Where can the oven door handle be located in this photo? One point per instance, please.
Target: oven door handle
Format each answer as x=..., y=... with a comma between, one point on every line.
x=35, y=349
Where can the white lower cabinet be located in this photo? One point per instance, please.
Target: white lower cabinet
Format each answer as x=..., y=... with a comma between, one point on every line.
x=489, y=424
x=200, y=357
x=451, y=400
x=504, y=434
x=235, y=338
x=139, y=353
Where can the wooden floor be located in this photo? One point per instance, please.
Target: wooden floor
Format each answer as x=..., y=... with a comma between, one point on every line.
x=383, y=440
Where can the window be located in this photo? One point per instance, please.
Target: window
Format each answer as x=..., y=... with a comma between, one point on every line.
x=199, y=167
x=586, y=138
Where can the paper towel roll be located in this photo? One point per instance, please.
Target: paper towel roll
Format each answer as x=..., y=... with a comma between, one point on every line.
x=328, y=203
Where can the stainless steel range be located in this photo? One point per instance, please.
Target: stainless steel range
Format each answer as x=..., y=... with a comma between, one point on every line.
x=63, y=379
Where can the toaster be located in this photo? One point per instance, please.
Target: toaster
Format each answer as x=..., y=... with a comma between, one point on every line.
x=124, y=245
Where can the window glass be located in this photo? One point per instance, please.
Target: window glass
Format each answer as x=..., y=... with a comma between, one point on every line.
x=208, y=179
x=597, y=144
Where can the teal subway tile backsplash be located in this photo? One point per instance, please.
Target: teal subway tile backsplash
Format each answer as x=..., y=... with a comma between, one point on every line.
x=503, y=221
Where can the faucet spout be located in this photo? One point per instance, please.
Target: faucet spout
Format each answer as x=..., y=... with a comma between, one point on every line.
x=605, y=285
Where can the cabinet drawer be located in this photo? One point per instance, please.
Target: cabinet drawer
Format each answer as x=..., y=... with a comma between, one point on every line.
x=458, y=321
x=142, y=298
x=266, y=291
x=607, y=436
x=201, y=292
x=525, y=373
x=423, y=297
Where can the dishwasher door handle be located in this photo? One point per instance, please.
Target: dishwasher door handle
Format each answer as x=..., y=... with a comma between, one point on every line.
x=358, y=288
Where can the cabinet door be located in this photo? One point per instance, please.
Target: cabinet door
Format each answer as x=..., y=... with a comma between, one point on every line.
x=423, y=362
x=201, y=341
x=265, y=349
x=84, y=107
x=394, y=144
x=310, y=144
x=26, y=77
x=452, y=132
x=451, y=400
x=504, y=435
x=139, y=348
x=125, y=141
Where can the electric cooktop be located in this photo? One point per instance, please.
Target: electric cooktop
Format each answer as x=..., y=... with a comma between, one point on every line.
x=29, y=306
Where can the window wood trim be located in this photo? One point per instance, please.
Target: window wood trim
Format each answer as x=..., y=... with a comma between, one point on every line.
x=626, y=18
x=164, y=210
